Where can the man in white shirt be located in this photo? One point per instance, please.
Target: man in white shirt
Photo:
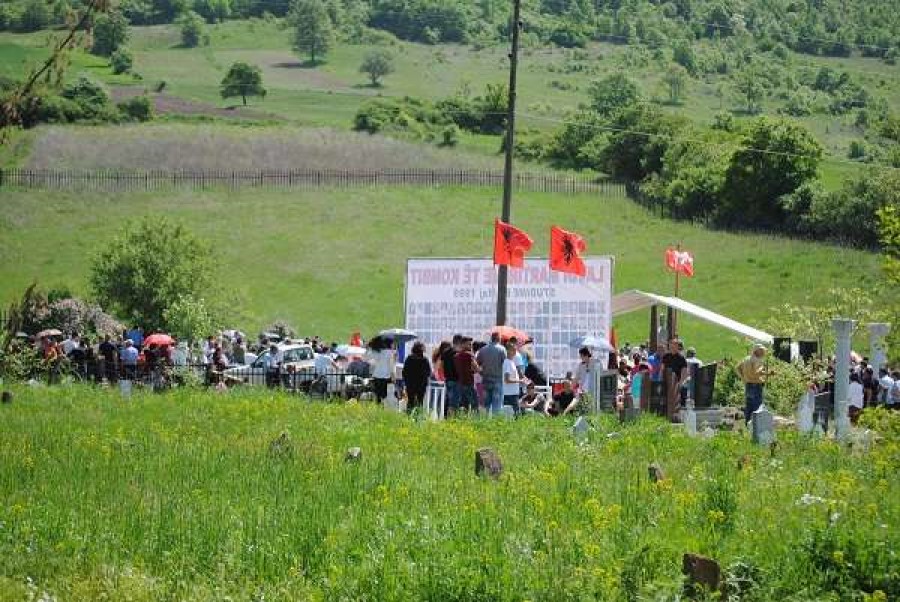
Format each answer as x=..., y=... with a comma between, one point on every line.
x=885, y=382
x=325, y=365
x=511, y=379
x=584, y=374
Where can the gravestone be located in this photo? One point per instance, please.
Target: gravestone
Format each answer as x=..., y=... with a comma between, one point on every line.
x=704, y=575
x=689, y=418
x=822, y=410
x=805, y=412
x=655, y=472
x=7, y=397
x=607, y=389
x=658, y=398
x=630, y=414
x=580, y=429
x=125, y=388
x=354, y=454
x=763, y=425
x=488, y=462
x=704, y=385
x=508, y=412
x=281, y=446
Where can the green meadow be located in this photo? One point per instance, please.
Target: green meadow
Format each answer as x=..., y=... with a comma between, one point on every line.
x=183, y=496
x=333, y=261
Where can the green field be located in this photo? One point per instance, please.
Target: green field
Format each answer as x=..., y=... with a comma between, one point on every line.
x=552, y=81
x=333, y=261
x=180, y=497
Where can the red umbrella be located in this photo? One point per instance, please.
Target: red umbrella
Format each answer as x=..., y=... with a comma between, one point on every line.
x=159, y=339
x=508, y=332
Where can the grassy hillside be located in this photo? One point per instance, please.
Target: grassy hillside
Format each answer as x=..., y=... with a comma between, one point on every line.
x=552, y=81
x=179, y=497
x=332, y=262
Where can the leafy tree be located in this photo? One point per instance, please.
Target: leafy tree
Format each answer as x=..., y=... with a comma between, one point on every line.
x=889, y=233
x=637, y=140
x=752, y=89
x=377, y=63
x=140, y=273
x=313, y=29
x=110, y=32
x=214, y=11
x=776, y=157
x=121, y=61
x=675, y=79
x=243, y=80
x=35, y=16
x=191, y=29
x=190, y=318
x=612, y=93
x=683, y=54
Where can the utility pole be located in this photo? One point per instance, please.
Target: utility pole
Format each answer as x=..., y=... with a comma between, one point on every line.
x=502, y=273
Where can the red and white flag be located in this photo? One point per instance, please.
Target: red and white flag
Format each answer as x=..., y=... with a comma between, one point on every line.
x=565, y=251
x=510, y=245
x=680, y=261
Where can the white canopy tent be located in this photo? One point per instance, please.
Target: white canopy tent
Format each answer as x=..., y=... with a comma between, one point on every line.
x=634, y=300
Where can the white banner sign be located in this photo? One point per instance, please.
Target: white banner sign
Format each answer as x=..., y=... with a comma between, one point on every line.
x=449, y=296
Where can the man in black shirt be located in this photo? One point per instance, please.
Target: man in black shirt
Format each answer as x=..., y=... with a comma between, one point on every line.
x=675, y=370
x=451, y=379
x=108, y=353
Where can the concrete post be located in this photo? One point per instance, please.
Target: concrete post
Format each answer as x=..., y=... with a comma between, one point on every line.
x=878, y=354
x=843, y=329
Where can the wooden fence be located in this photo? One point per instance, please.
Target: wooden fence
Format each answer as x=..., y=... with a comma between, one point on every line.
x=142, y=181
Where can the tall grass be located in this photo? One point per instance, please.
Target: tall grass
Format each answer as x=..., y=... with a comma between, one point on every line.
x=180, y=497
x=169, y=147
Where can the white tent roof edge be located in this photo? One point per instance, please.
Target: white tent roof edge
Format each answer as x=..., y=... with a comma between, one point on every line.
x=633, y=300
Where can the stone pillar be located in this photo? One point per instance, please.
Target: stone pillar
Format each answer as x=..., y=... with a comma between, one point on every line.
x=843, y=329
x=654, y=329
x=878, y=354
x=805, y=412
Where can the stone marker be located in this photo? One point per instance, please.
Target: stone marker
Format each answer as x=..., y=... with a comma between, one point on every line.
x=7, y=397
x=744, y=462
x=805, y=412
x=630, y=414
x=488, y=462
x=580, y=429
x=763, y=426
x=878, y=350
x=354, y=454
x=689, y=418
x=841, y=418
x=125, y=388
x=703, y=574
x=656, y=473
x=508, y=412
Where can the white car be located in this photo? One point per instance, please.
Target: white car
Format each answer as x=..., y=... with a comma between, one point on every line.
x=298, y=366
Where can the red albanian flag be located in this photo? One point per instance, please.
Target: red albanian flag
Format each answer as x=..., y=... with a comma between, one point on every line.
x=510, y=245
x=565, y=251
x=680, y=261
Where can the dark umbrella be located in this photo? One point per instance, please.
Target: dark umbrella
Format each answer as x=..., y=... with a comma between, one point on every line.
x=399, y=335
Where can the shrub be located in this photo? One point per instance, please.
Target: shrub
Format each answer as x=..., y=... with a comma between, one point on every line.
x=138, y=108
x=450, y=135
x=34, y=17
x=858, y=149
x=121, y=61
x=191, y=26
x=110, y=32
x=91, y=98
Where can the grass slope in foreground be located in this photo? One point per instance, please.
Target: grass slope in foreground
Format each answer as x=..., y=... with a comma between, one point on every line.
x=334, y=261
x=178, y=497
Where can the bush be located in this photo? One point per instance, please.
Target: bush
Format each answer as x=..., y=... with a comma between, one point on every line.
x=858, y=149
x=121, y=61
x=91, y=97
x=110, y=32
x=138, y=108
x=450, y=135
x=191, y=25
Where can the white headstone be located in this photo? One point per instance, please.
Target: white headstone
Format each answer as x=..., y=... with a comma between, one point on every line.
x=805, y=412
x=689, y=418
x=878, y=350
x=125, y=388
x=580, y=429
x=508, y=412
x=763, y=425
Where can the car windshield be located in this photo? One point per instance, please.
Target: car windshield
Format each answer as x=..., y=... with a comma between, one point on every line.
x=296, y=355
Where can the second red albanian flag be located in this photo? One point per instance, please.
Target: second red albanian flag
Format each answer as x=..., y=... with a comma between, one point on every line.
x=510, y=245
x=565, y=251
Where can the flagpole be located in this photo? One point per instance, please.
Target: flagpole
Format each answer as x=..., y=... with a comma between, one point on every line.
x=673, y=327
x=508, y=165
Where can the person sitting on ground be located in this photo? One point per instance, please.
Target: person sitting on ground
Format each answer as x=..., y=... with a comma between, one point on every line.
x=533, y=372
x=416, y=372
x=534, y=402
x=566, y=401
